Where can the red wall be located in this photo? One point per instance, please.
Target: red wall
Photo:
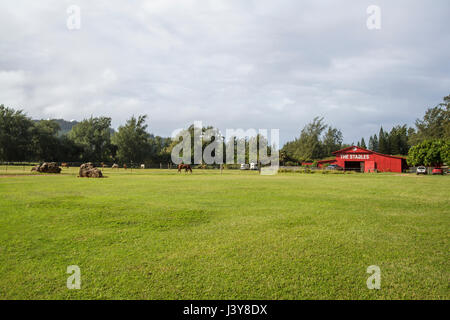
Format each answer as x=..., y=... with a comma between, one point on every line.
x=371, y=160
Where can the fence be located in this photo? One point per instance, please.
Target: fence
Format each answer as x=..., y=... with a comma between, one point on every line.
x=26, y=166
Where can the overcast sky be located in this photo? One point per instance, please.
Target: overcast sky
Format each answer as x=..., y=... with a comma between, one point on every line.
x=227, y=63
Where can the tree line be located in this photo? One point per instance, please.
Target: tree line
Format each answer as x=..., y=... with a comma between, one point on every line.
x=22, y=139
x=93, y=140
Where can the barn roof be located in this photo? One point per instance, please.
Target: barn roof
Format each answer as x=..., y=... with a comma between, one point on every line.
x=357, y=149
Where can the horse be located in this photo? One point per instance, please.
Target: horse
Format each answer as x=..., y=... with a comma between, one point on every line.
x=186, y=167
x=115, y=166
x=64, y=165
x=125, y=166
x=142, y=166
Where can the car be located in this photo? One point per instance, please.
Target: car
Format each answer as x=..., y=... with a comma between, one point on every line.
x=437, y=171
x=334, y=167
x=245, y=166
x=421, y=170
x=253, y=166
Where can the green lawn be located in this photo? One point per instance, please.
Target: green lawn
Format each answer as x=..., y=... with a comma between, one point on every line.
x=156, y=234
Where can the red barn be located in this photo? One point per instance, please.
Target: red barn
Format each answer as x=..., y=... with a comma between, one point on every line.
x=360, y=159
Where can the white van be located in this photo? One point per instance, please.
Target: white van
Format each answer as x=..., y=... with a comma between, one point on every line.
x=245, y=166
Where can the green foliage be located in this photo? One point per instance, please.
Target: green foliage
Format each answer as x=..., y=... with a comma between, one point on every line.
x=16, y=131
x=393, y=142
x=132, y=141
x=311, y=144
x=430, y=153
x=45, y=142
x=93, y=137
x=434, y=125
x=362, y=144
x=373, y=143
x=332, y=141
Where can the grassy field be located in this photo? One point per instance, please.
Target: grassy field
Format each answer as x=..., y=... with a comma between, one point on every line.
x=156, y=234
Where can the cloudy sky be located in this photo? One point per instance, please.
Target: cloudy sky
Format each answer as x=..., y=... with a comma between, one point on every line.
x=227, y=63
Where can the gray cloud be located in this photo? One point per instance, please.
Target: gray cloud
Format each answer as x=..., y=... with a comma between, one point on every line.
x=231, y=64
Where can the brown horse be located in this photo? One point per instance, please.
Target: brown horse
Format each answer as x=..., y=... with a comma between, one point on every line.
x=64, y=165
x=186, y=167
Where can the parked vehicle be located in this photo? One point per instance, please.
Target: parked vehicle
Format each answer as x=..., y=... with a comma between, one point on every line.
x=334, y=167
x=437, y=171
x=421, y=170
x=245, y=166
x=253, y=166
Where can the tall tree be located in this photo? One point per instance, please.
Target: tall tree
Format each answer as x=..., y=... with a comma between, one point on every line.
x=15, y=135
x=435, y=123
x=308, y=146
x=383, y=144
x=46, y=144
x=332, y=141
x=132, y=141
x=93, y=137
x=398, y=140
x=362, y=144
x=374, y=144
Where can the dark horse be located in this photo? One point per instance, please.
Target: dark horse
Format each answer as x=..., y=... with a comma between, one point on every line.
x=186, y=167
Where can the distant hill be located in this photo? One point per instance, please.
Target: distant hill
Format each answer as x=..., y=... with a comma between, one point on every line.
x=66, y=126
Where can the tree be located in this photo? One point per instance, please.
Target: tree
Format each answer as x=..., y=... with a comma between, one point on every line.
x=45, y=142
x=362, y=144
x=93, y=137
x=159, y=149
x=132, y=141
x=434, y=125
x=332, y=141
x=373, y=143
x=15, y=135
x=398, y=140
x=383, y=142
x=430, y=153
x=308, y=145
x=311, y=144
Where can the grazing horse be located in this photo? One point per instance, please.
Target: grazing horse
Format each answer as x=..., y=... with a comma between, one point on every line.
x=125, y=166
x=64, y=165
x=142, y=166
x=186, y=167
x=115, y=166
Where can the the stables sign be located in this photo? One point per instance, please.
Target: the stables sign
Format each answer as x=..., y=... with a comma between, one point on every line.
x=355, y=156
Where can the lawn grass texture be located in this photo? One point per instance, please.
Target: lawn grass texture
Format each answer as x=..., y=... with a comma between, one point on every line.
x=157, y=234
